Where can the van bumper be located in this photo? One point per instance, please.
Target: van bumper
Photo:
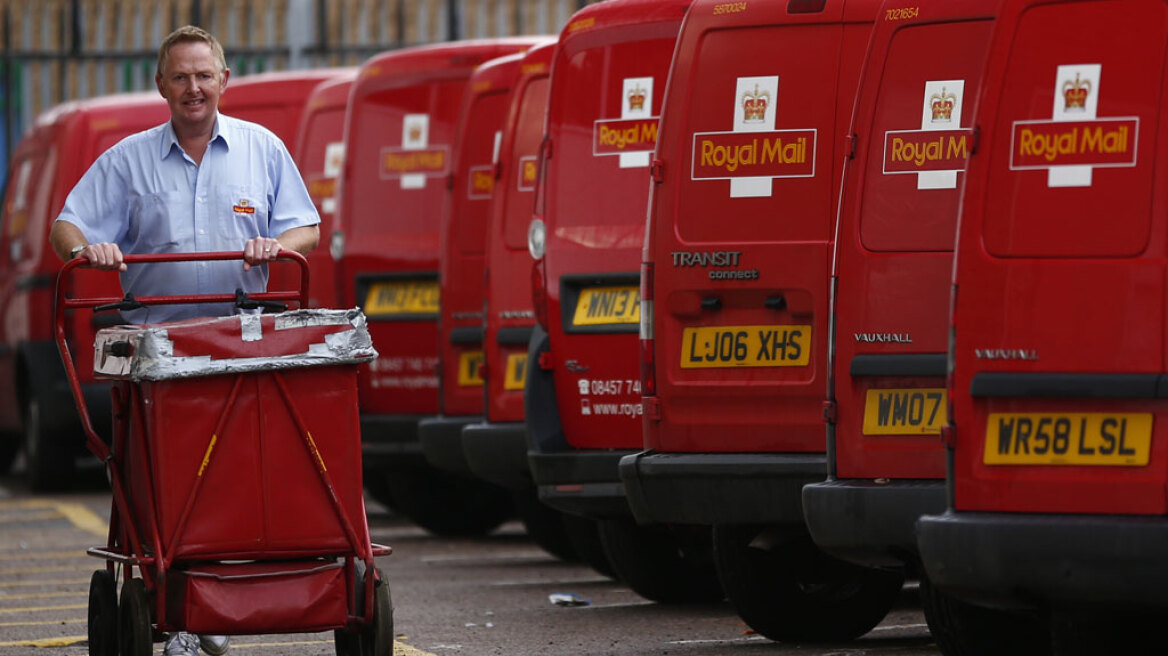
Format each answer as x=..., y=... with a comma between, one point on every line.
x=581, y=482
x=871, y=523
x=497, y=453
x=441, y=441
x=1031, y=559
x=719, y=488
x=391, y=441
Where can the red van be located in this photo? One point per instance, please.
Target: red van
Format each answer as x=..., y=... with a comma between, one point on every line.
x=36, y=406
x=277, y=101
x=1058, y=435
x=912, y=130
x=399, y=139
x=583, y=407
x=734, y=335
x=320, y=154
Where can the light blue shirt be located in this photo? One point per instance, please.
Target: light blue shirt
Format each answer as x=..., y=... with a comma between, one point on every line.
x=148, y=196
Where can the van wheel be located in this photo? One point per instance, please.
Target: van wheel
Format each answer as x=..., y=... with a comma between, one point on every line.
x=787, y=589
x=47, y=458
x=376, y=483
x=584, y=533
x=662, y=563
x=964, y=629
x=447, y=504
x=9, y=447
x=1098, y=631
x=544, y=524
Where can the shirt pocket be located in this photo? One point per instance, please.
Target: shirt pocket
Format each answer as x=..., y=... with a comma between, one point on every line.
x=245, y=213
x=162, y=222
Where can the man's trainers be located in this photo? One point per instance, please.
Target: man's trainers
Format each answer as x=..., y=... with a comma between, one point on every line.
x=181, y=644
x=215, y=645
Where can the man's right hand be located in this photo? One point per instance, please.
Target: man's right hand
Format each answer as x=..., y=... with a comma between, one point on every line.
x=105, y=256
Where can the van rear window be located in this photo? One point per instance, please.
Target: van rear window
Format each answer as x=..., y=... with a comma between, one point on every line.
x=479, y=154
x=1073, y=142
x=518, y=203
x=919, y=143
x=756, y=162
x=400, y=151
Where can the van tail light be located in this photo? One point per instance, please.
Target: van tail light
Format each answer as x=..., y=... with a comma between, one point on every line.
x=648, y=363
x=539, y=296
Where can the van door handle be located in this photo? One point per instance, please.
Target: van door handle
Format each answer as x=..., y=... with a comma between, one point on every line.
x=711, y=303
x=775, y=302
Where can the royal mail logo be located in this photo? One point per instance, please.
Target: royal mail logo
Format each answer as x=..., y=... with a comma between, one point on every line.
x=941, y=106
x=636, y=97
x=321, y=188
x=399, y=162
x=754, y=105
x=244, y=206
x=773, y=154
x=629, y=136
x=481, y=183
x=914, y=151
x=1075, y=94
x=528, y=172
x=1107, y=142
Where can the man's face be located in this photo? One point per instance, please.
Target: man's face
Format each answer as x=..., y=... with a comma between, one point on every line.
x=191, y=84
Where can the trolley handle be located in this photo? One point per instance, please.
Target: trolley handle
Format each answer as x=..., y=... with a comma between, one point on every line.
x=261, y=299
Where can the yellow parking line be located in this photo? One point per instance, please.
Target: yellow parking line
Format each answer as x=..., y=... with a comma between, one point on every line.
x=37, y=609
x=36, y=570
x=31, y=517
x=84, y=518
x=79, y=620
x=43, y=555
x=399, y=648
x=30, y=584
x=46, y=642
x=42, y=595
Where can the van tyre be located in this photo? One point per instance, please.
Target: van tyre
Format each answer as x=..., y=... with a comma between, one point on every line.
x=544, y=524
x=584, y=533
x=447, y=504
x=787, y=589
x=9, y=448
x=48, y=459
x=964, y=629
x=135, y=635
x=103, y=614
x=661, y=563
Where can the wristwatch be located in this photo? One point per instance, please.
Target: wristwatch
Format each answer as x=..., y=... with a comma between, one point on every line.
x=77, y=250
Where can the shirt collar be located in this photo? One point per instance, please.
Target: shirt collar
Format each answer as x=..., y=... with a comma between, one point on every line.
x=220, y=131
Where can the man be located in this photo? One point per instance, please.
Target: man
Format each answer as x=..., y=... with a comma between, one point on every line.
x=200, y=182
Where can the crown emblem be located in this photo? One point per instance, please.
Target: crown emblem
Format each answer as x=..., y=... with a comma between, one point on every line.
x=1075, y=93
x=754, y=105
x=637, y=97
x=415, y=133
x=941, y=105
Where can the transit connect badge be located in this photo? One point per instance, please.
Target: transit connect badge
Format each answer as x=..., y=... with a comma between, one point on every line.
x=1075, y=140
x=753, y=153
x=940, y=148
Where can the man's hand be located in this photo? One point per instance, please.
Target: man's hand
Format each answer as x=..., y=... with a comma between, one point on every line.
x=259, y=250
x=104, y=256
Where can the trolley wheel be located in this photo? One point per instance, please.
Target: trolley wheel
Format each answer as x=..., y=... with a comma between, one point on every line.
x=103, y=614
x=348, y=643
x=135, y=634
x=672, y=565
x=786, y=588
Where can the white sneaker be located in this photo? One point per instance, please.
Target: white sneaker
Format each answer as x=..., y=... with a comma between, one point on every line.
x=181, y=644
x=215, y=645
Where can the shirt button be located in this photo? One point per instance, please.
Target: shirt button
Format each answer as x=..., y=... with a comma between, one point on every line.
x=202, y=232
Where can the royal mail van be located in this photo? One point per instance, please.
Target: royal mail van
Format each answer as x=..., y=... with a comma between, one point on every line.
x=277, y=101
x=320, y=154
x=734, y=330
x=912, y=131
x=583, y=407
x=399, y=141
x=36, y=406
x=1057, y=435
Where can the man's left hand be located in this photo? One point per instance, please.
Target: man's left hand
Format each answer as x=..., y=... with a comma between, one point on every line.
x=259, y=250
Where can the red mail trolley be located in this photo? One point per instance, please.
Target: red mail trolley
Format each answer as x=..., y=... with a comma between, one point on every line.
x=235, y=466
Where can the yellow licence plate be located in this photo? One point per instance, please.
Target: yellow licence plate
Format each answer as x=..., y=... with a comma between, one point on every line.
x=1066, y=438
x=470, y=369
x=598, y=306
x=904, y=411
x=402, y=297
x=745, y=346
x=516, y=377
